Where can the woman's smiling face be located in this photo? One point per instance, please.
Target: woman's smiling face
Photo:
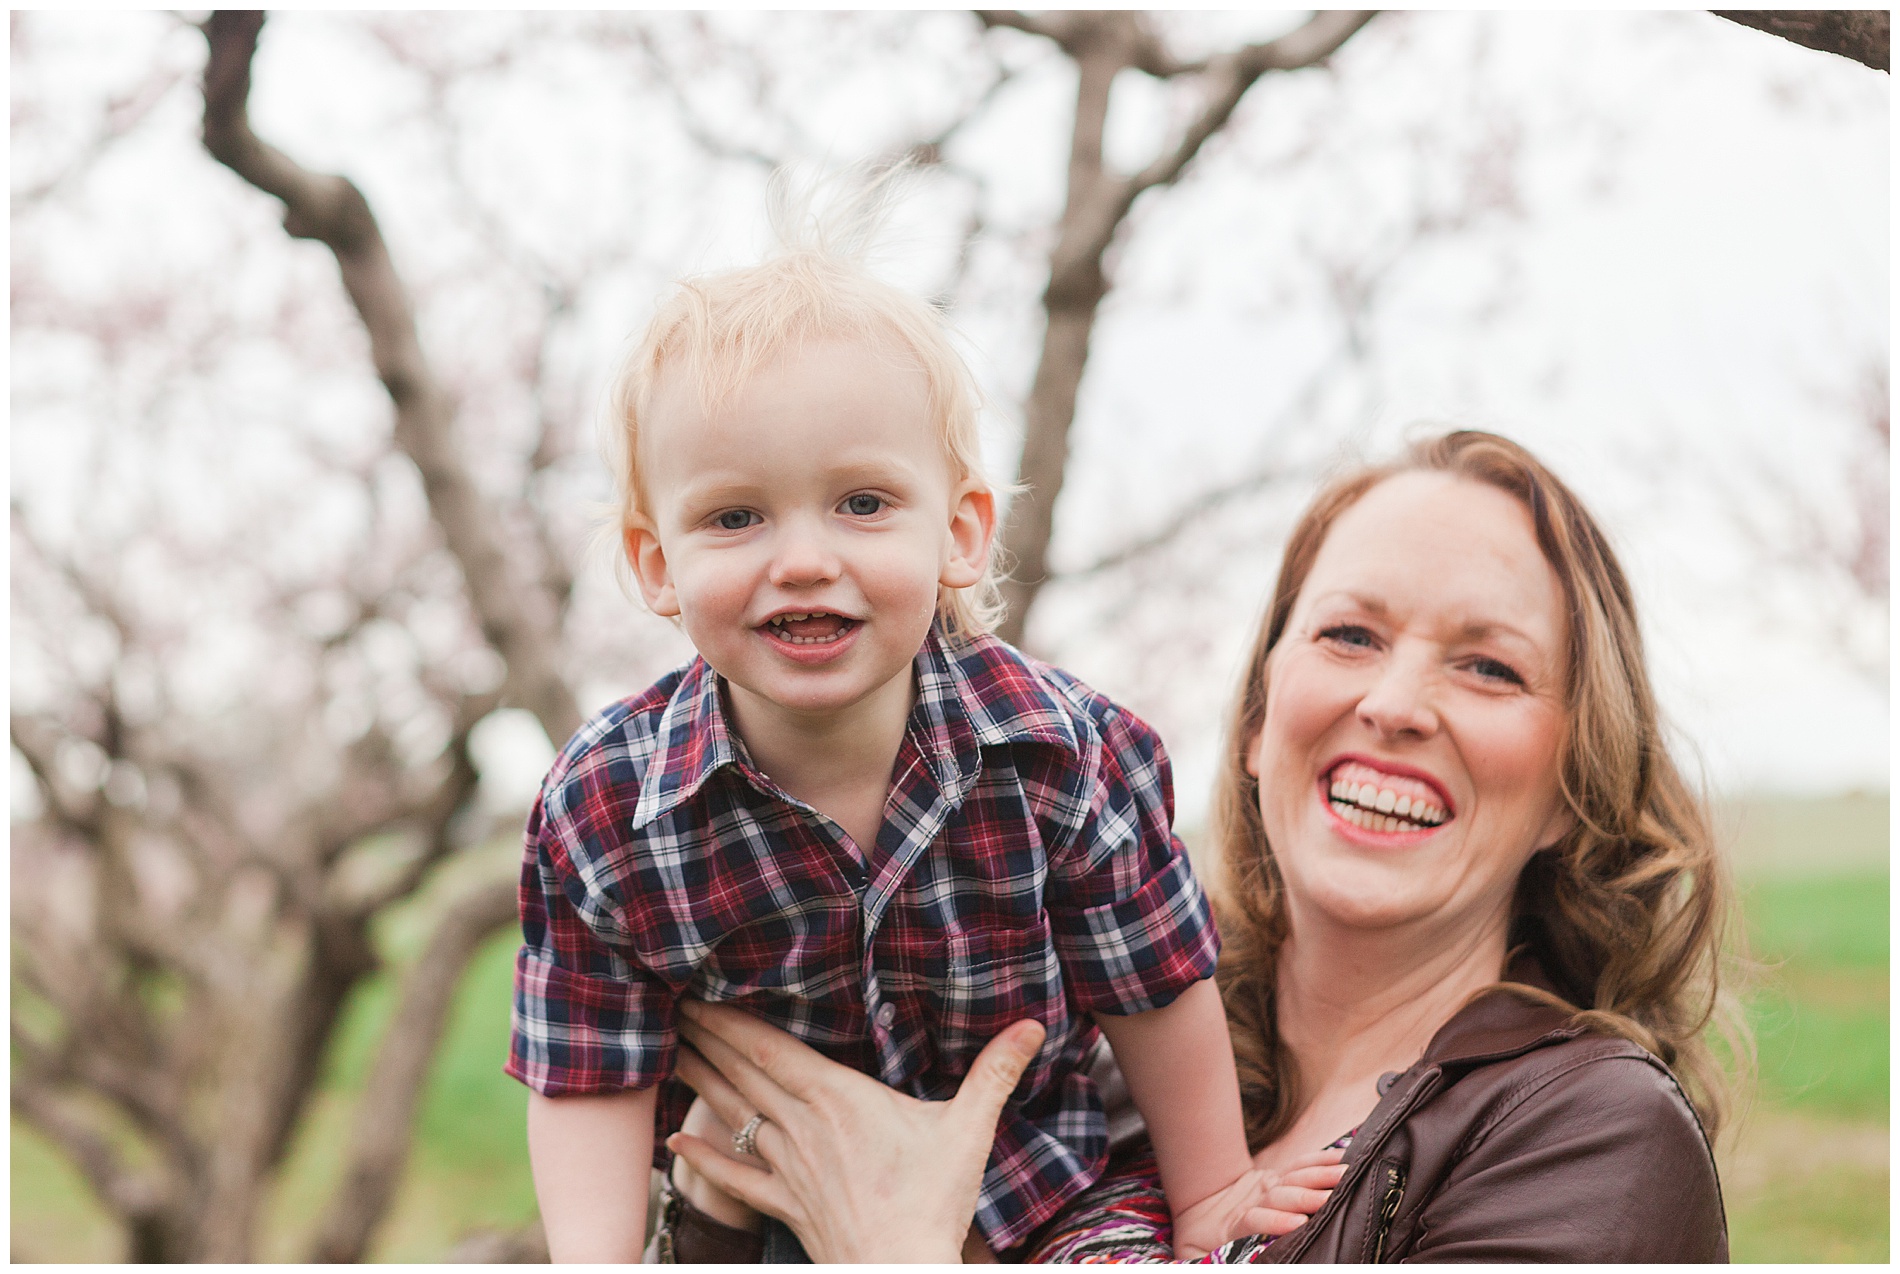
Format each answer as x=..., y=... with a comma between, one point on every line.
x=1408, y=759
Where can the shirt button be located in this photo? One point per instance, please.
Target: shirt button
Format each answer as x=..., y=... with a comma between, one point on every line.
x=886, y=1014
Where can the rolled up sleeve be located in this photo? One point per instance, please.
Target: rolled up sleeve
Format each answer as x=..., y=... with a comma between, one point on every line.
x=587, y=1017
x=1131, y=923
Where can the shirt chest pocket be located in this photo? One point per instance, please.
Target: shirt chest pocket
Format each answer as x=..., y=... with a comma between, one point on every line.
x=994, y=976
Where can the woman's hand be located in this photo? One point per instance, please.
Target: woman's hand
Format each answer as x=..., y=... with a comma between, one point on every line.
x=1260, y=1202
x=859, y=1171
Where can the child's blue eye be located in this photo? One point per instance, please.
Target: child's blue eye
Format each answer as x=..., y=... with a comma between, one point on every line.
x=863, y=506
x=736, y=519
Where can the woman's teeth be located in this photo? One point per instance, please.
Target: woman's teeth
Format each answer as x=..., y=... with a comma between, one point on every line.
x=1380, y=809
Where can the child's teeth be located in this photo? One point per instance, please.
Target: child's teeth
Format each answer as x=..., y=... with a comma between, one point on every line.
x=781, y=623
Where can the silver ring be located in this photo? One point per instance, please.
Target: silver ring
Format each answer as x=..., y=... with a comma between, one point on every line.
x=746, y=1140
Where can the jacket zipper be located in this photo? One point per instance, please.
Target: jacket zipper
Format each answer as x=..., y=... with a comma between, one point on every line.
x=1426, y=1085
x=1388, y=1208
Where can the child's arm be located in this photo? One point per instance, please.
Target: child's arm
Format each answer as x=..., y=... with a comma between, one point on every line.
x=591, y=1156
x=1179, y=1064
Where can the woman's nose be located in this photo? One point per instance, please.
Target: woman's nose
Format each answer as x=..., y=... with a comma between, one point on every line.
x=1400, y=702
x=802, y=558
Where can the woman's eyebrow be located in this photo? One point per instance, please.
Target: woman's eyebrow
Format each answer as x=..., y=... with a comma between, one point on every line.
x=1362, y=601
x=1484, y=630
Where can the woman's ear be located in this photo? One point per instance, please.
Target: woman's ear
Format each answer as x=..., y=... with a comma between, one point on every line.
x=647, y=557
x=1251, y=757
x=972, y=528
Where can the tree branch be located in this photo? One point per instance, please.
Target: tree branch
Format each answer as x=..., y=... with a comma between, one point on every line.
x=143, y=1092
x=660, y=72
x=929, y=150
x=525, y=1246
x=341, y=956
x=1059, y=26
x=1103, y=44
x=1233, y=74
x=28, y=736
x=126, y=1194
x=517, y=619
x=437, y=818
x=380, y=1144
x=1190, y=514
x=122, y=114
x=1861, y=34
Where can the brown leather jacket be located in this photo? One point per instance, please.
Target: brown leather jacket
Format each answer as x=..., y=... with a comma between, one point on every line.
x=1518, y=1137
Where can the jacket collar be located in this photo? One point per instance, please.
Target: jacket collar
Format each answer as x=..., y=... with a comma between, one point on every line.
x=1500, y=1022
x=971, y=693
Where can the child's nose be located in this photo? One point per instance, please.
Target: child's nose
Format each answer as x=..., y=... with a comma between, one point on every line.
x=803, y=559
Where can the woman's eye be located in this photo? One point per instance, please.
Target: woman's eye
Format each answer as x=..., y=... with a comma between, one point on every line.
x=1348, y=635
x=1493, y=670
x=736, y=519
x=863, y=506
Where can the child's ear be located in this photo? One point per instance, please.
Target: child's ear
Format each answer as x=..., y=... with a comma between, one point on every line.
x=648, y=560
x=972, y=527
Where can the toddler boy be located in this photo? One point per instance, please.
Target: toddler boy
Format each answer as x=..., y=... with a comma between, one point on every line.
x=876, y=826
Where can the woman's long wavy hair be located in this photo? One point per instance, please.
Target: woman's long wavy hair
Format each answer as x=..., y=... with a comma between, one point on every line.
x=1628, y=913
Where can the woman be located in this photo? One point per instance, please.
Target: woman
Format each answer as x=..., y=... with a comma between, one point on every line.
x=1473, y=924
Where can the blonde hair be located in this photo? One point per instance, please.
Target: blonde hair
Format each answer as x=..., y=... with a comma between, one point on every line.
x=1628, y=914
x=717, y=330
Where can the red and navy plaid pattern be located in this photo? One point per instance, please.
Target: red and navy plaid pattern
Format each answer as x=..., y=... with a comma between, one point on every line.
x=1025, y=868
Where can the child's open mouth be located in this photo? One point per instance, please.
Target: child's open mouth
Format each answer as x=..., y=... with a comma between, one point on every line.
x=1381, y=802
x=809, y=628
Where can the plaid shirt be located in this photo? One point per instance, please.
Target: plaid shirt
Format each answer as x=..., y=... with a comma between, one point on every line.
x=1025, y=868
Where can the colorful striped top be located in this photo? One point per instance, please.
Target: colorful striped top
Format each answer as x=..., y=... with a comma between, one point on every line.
x=1124, y=1218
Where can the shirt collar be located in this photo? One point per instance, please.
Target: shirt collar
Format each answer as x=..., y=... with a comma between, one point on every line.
x=972, y=692
x=1003, y=695
x=692, y=740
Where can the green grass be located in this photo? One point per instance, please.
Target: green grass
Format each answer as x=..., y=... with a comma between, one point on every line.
x=1826, y=922
x=1819, y=1011
x=1829, y=1214
x=1817, y=1189
x=53, y=1216
x=470, y=1169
